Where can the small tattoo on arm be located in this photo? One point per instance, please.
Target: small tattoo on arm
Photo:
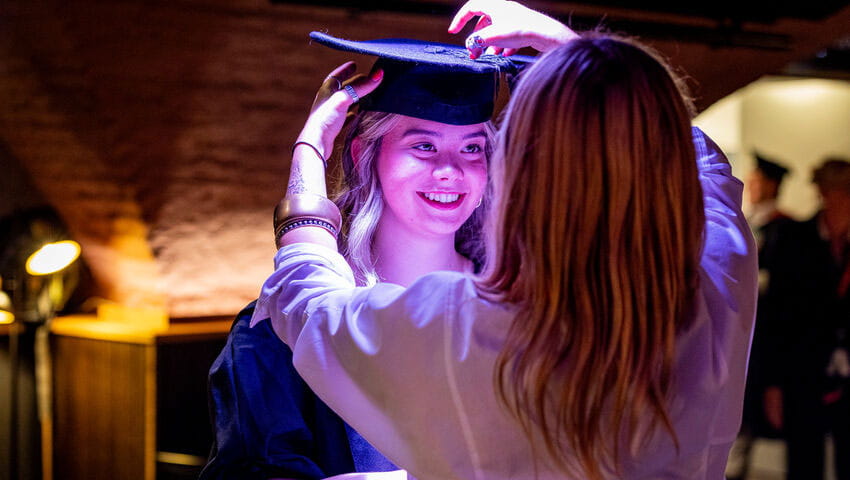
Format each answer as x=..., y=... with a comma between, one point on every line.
x=296, y=181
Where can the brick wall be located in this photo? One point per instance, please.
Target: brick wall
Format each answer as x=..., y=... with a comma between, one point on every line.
x=160, y=129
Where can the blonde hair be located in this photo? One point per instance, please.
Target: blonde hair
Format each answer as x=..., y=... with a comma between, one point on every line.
x=360, y=198
x=602, y=268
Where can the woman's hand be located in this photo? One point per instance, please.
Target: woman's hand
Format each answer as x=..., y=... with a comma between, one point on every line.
x=506, y=26
x=341, y=89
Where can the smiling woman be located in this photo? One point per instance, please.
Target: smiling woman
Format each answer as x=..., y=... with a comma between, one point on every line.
x=413, y=196
x=427, y=126
x=427, y=180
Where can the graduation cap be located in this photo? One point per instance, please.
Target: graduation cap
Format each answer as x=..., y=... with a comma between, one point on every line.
x=770, y=169
x=431, y=81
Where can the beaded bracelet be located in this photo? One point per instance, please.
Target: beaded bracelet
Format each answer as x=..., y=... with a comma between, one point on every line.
x=302, y=222
x=318, y=154
x=306, y=206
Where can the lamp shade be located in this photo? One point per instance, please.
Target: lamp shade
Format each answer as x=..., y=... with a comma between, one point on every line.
x=53, y=257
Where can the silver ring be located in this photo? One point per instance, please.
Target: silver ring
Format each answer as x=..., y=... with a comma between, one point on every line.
x=351, y=93
x=474, y=42
x=338, y=83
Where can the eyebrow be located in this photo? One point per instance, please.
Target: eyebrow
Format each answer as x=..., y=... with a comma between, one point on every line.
x=420, y=131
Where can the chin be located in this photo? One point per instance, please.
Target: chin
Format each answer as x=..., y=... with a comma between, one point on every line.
x=443, y=228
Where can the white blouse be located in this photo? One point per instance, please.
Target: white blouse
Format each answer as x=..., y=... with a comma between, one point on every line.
x=412, y=369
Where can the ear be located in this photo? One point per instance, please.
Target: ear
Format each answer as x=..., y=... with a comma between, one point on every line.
x=356, y=150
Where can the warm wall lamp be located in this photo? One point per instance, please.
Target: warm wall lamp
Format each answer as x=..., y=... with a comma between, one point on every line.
x=35, y=264
x=53, y=257
x=6, y=315
x=48, y=260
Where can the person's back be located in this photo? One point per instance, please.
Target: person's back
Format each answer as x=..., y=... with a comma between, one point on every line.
x=708, y=371
x=636, y=367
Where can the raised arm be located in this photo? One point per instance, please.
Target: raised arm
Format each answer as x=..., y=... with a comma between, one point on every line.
x=306, y=190
x=504, y=27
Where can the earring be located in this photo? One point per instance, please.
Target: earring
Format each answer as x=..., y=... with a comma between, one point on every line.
x=480, y=199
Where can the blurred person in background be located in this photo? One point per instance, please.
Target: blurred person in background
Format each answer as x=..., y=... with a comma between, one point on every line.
x=811, y=285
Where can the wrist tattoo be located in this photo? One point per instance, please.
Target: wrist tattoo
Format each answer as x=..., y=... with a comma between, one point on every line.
x=296, y=180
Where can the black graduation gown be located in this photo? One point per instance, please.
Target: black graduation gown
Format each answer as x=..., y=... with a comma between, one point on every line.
x=267, y=422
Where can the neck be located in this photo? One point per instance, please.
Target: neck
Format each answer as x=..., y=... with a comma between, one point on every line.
x=402, y=256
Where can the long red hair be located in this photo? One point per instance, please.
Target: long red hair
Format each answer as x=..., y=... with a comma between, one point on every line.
x=595, y=237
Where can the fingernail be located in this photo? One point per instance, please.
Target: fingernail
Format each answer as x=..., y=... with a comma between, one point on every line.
x=377, y=76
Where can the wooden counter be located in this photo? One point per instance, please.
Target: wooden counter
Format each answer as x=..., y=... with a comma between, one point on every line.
x=90, y=327
x=127, y=399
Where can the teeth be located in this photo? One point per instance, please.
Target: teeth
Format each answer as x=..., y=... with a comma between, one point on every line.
x=442, y=197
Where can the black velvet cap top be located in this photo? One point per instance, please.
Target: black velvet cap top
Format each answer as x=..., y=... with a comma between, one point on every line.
x=431, y=81
x=770, y=169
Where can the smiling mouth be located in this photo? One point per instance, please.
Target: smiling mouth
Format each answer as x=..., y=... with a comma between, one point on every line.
x=442, y=201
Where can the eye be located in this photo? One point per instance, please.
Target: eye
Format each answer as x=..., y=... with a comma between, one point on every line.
x=473, y=148
x=425, y=147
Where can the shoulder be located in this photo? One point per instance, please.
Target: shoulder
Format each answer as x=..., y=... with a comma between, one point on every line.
x=244, y=336
x=795, y=230
x=780, y=223
x=809, y=225
x=251, y=351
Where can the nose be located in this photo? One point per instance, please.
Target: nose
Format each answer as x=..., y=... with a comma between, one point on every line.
x=447, y=167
